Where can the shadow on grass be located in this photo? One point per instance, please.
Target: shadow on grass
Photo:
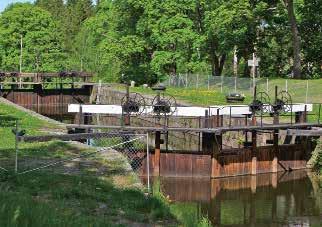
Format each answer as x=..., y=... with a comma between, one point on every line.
x=43, y=199
x=7, y=121
x=38, y=155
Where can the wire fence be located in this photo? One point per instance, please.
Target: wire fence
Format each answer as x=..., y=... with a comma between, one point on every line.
x=303, y=91
x=95, y=153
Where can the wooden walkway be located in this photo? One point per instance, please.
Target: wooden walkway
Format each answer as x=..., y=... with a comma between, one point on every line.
x=126, y=129
x=218, y=130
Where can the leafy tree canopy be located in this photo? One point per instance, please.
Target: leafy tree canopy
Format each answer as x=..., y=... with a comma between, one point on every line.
x=41, y=39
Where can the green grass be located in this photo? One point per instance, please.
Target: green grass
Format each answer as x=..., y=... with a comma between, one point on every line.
x=297, y=89
x=61, y=196
x=201, y=97
x=213, y=96
x=43, y=199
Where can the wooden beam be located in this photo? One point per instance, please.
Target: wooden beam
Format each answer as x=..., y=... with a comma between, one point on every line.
x=218, y=130
x=69, y=137
x=275, y=144
x=254, y=148
x=303, y=132
x=157, y=153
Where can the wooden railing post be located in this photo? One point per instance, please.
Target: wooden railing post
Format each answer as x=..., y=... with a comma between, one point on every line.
x=275, y=145
x=254, y=148
x=216, y=148
x=157, y=153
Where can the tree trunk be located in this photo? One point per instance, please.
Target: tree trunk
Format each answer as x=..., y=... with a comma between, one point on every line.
x=295, y=38
x=218, y=64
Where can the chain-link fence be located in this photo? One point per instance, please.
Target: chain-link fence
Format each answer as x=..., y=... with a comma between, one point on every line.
x=303, y=91
x=95, y=153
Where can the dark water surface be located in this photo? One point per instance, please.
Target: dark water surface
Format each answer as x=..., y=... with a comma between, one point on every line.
x=283, y=199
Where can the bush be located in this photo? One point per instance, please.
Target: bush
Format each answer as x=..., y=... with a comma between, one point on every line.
x=319, y=159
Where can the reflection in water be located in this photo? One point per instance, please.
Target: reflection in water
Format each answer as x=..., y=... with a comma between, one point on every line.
x=283, y=199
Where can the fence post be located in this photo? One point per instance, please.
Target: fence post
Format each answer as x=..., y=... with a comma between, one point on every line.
x=148, y=160
x=221, y=84
x=197, y=84
x=250, y=86
x=307, y=90
x=16, y=146
x=208, y=81
x=319, y=113
x=186, y=80
x=267, y=85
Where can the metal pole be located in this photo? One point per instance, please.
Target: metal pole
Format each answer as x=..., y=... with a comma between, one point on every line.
x=254, y=72
x=307, y=91
x=186, y=80
x=285, y=85
x=221, y=84
x=230, y=116
x=291, y=114
x=235, y=84
x=147, y=160
x=267, y=85
x=319, y=113
x=20, y=60
x=208, y=81
x=16, y=147
x=197, y=84
x=199, y=124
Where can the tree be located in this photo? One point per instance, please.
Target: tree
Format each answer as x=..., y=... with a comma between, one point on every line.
x=311, y=30
x=145, y=40
x=42, y=45
x=170, y=34
x=77, y=11
x=296, y=39
x=55, y=7
x=227, y=25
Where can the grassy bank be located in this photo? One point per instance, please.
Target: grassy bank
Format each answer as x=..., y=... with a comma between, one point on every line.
x=89, y=192
x=213, y=96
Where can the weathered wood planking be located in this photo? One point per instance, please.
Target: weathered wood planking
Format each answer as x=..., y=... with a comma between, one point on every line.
x=291, y=157
x=48, y=101
x=312, y=132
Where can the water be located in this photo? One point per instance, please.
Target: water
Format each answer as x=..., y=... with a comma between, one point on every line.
x=283, y=199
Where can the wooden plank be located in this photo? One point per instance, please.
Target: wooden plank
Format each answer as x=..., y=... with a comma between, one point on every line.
x=302, y=132
x=68, y=137
x=218, y=130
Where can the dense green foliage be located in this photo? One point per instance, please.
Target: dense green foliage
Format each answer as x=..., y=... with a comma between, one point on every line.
x=145, y=40
x=41, y=40
x=318, y=161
